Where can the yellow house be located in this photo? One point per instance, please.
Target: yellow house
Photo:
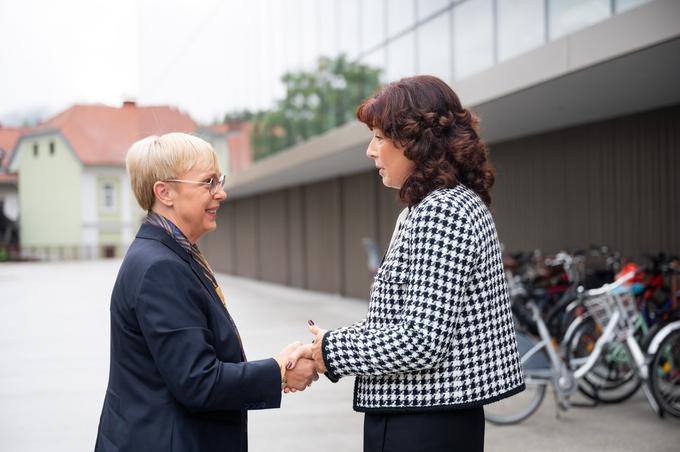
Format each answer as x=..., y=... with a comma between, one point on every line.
x=74, y=194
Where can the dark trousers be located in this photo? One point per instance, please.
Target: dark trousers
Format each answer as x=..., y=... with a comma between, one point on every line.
x=431, y=431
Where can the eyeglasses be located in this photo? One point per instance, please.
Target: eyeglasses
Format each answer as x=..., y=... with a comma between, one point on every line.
x=212, y=184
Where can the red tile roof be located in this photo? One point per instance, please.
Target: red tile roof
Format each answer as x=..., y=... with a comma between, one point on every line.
x=8, y=138
x=101, y=135
x=237, y=135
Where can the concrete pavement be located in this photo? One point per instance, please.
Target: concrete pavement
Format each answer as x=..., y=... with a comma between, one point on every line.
x=54, y=345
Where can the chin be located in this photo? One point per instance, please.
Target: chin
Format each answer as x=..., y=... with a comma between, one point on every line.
x=208, y=228
x=388, y=183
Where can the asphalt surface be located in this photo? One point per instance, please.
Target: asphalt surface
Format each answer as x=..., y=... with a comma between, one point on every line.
x=54, y=347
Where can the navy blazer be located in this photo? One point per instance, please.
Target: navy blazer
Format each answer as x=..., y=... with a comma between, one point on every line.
x=178, y=379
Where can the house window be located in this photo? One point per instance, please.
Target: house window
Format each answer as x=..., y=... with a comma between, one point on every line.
x=35, y=149
x=108, y=197
x=51, y=147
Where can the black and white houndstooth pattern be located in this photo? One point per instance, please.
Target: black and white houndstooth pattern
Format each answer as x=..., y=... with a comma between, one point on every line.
x=439, y=330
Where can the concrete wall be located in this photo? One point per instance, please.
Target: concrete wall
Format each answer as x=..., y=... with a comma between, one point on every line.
x=613, y=182
x=49, y=194
x=308, y=236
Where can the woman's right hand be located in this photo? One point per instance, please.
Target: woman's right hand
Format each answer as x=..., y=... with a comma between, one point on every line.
x=282, y=357
x=305, y=373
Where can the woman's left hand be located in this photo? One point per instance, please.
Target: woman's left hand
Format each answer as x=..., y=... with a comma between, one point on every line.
x=317, y=354
x=310, y=351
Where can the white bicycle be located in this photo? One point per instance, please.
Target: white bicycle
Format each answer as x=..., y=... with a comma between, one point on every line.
x=658, y=366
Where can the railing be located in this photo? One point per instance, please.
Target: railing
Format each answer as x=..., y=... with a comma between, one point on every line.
x=70, y=252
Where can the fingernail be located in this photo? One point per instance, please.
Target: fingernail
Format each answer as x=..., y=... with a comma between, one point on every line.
x=289, y=365
x=311, y=322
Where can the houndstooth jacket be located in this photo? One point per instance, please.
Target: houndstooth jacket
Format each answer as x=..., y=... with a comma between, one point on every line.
x=439, y=332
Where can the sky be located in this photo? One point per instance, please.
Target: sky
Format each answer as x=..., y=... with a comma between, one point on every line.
x=205, y=57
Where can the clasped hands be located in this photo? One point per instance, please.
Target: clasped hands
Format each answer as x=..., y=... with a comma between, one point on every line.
x=301, y=363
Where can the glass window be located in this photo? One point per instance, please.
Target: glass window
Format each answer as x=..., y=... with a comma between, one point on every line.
x=568, y=16
x=521, y=26
x=472, y=37
x=273, y=55
x=428, y=7
x=625, y=5
x=434, y=47
x=308, y=30
x=401, y=57
x=349, y=24
x=372, y=24
x=376, y=59
x=108, y=197
x=327, y=31
x=51, y=147
x=401, y=14
x=35, y=149
x=292, y=37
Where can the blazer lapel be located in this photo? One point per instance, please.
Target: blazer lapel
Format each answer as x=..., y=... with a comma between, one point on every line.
x=206, y=282
x=147, y=231
x=216, y=298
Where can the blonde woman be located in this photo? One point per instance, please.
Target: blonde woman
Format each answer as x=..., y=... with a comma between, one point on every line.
x=179, y=379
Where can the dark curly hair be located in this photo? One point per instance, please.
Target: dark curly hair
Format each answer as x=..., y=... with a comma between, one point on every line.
x=424, y=116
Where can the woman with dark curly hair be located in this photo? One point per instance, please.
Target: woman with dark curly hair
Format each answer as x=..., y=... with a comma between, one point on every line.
x=438, y=342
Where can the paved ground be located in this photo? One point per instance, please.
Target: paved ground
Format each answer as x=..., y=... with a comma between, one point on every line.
x=54, y=368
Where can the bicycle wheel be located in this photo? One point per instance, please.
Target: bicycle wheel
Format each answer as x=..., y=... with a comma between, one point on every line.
x=613, y=378
x=520, y=406
x=515, y=409
x=664, y=374
x=557, y=318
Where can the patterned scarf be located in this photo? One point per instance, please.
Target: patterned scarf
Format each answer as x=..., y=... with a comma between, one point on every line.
x=158, y=220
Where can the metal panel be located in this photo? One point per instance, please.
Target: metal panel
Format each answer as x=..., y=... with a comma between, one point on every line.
x=359, y=201
x=246, y=238
x=389, y=207
x=272, y=236
x=323, y=254
x=611, y=183
x=218, y=246
x=297, y=243
x=614, y=182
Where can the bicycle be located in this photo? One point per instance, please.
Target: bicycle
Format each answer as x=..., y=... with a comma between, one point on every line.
x=614, y=379
x=543, y=366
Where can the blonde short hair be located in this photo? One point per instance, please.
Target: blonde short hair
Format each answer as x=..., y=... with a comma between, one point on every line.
x=158, y=158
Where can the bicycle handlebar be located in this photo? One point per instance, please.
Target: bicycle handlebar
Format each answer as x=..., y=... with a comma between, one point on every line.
x=611, y=286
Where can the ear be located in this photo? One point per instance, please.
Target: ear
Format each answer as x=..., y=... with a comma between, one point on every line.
x=163, y=193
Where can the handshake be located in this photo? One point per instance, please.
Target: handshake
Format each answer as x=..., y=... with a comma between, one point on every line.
x=300, y=363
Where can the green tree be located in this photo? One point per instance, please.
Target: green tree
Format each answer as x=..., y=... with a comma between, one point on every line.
x=239, y=116
x=314, y=103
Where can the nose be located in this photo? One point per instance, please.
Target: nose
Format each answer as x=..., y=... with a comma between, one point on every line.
x=370, y=152
x=220, y=195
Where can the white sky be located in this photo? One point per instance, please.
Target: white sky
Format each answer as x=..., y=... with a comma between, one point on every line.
x=206, y=57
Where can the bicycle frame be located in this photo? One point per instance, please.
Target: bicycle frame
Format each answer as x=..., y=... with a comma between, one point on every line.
x=640, y=358
x=563, y=379
x=543, y=364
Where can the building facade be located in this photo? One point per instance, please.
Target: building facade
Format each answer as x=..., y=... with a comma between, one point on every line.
x=74, y=193
x=9, y=227
x=578, y=100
